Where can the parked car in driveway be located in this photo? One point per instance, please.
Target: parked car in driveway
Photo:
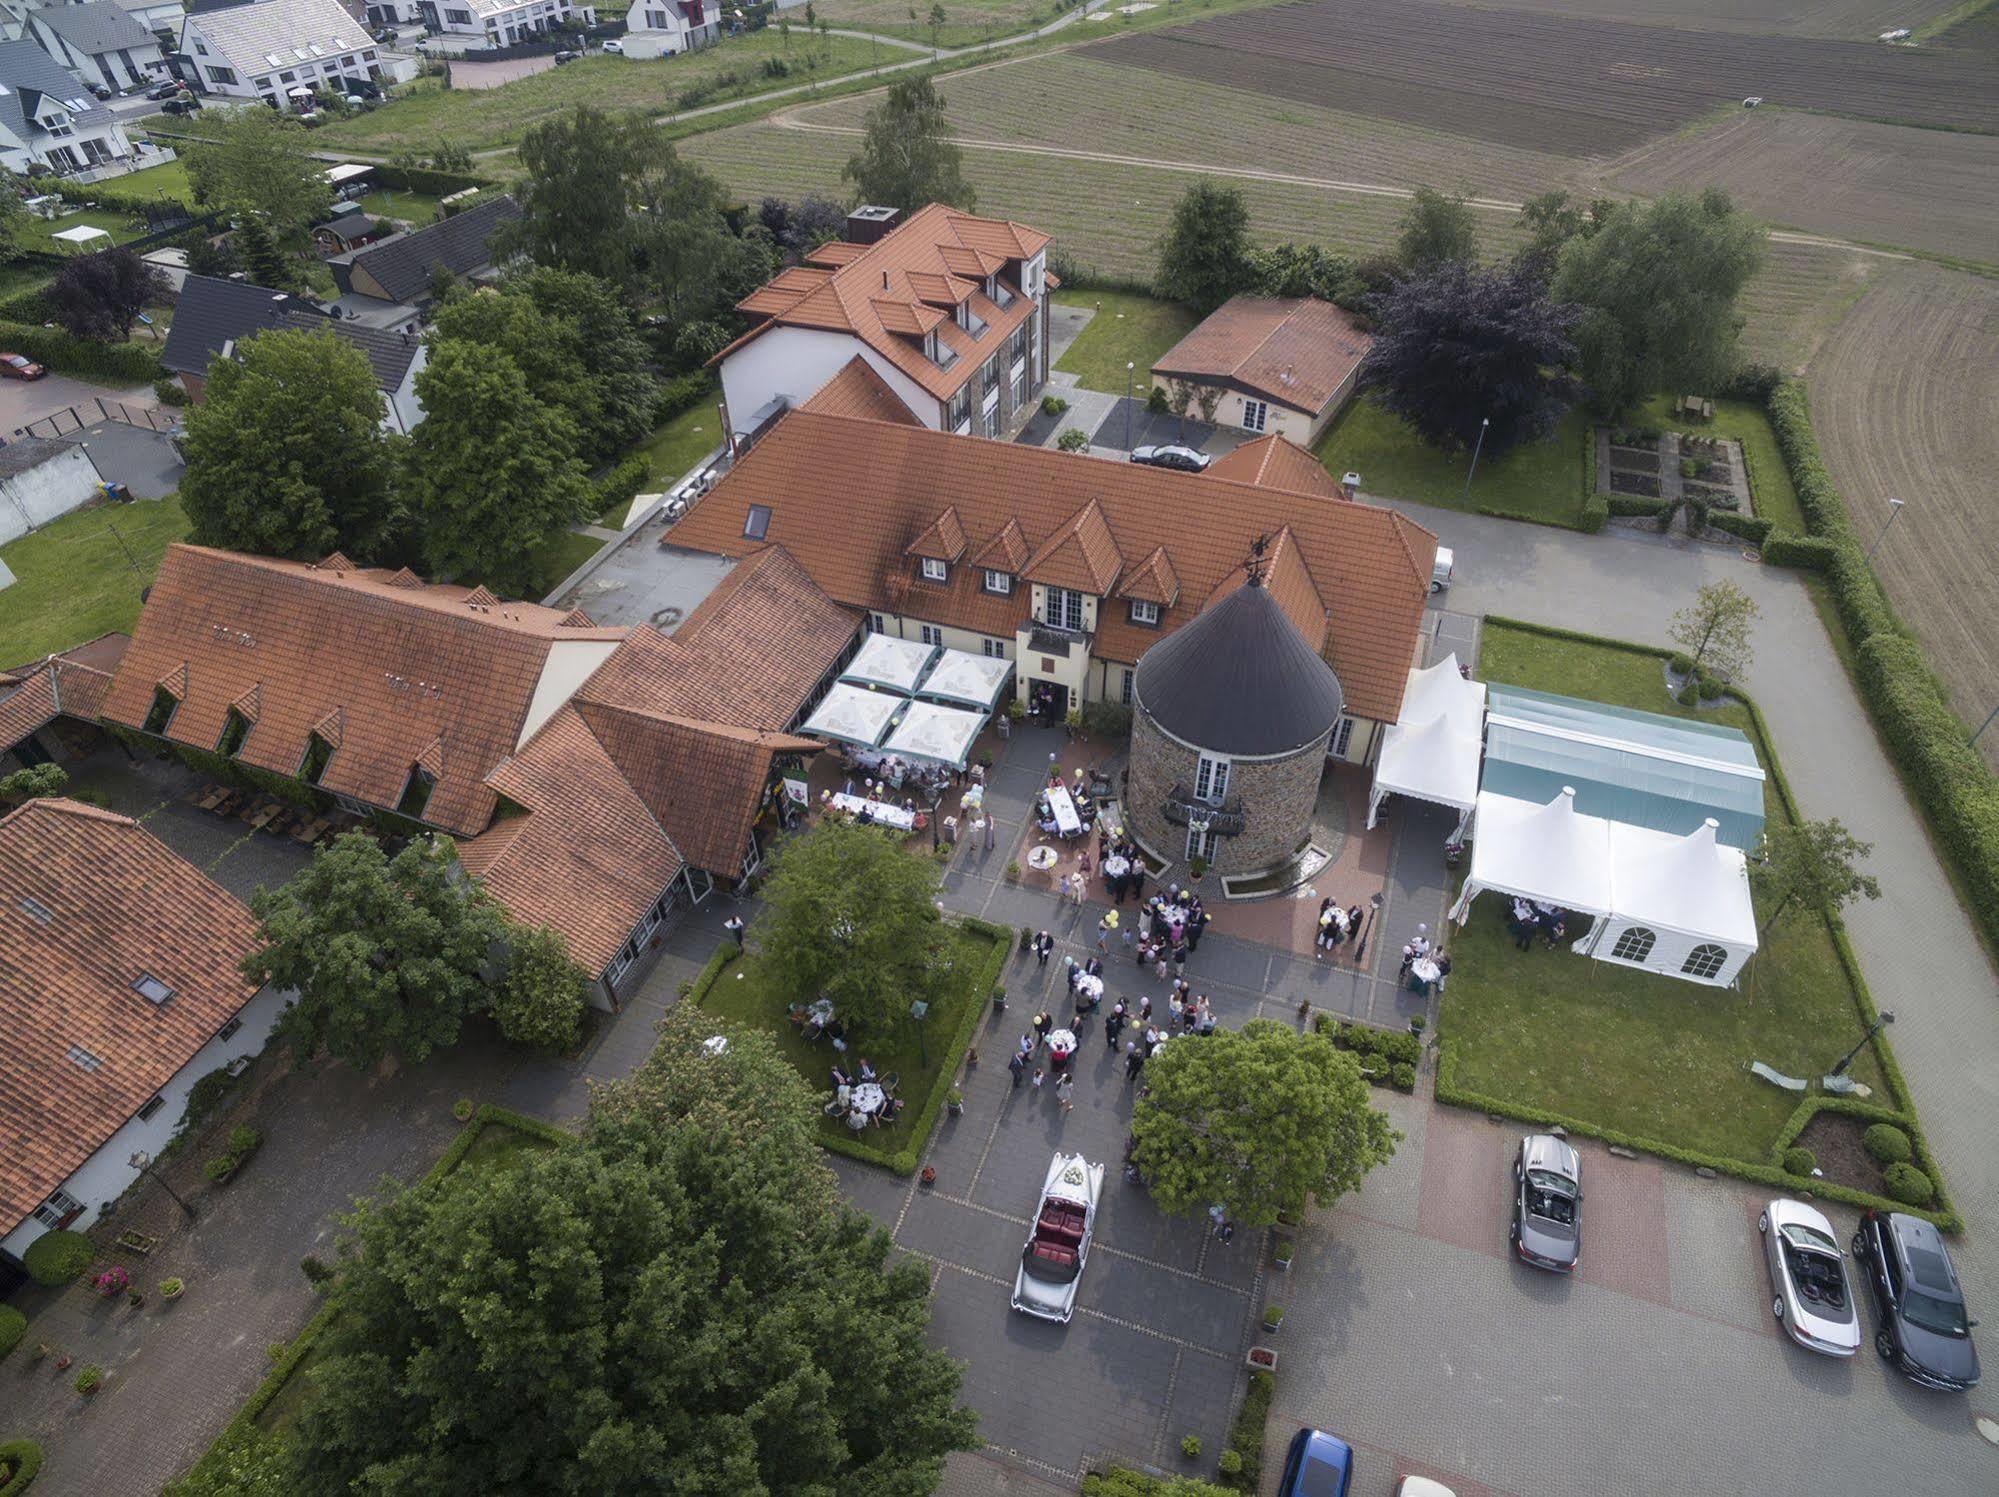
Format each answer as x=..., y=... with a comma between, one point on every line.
x=1172, y=455
x=13, y=366
x=1811, y=1297
x=1547, y=1228
x=1316, y=1465
x=1058, y=1246
x=614, y=45
x=1922, y=1329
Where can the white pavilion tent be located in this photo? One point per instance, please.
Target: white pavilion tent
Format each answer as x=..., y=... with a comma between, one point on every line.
x=930, y=730
x=963, y=679
x=82, y=240
x=853, y=714
x=885, y=661
x=1676, y=905
x=1432, y=751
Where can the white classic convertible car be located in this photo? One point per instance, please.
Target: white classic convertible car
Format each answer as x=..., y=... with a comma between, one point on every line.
x=1059, y=1246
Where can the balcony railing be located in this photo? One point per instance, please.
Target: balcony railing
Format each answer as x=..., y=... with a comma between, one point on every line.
x=1226, y=820
x=1052, y=639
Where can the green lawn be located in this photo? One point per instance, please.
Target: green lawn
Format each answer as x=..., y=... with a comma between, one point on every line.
x=745, y=993
x=166, y=180
x=73, y=581
x=1543, y=481
x=561, y=554
x=1769, y=480
x=1630, y=1051
x=39, y=233
x=1128, y=329
x=419, y=208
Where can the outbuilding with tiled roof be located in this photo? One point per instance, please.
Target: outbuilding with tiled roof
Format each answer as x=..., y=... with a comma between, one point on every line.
x=1269, y=365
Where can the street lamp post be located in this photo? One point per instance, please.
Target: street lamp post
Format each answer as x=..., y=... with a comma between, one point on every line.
x=1374, y=904
x=1130, y=368
x=1894, y=513
x=1882, y=1020
x=143, y=1163
x=1983, y=726
x=1483, y=423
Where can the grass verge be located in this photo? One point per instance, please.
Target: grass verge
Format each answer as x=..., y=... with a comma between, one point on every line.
x=1127, y=328
x=558, y=556
x=1544, y=482
x=74, y=579
x=1641, y=1059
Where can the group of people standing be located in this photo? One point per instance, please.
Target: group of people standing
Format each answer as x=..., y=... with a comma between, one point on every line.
x=1527, y=920
x=1336, y=927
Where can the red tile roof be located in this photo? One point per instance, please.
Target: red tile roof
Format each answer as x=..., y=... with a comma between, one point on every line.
x=1277, y=463
x=847, y=496
x=71, y=684
x=1081, y=554
x=943, y=539
x=858, y=391
x=1297, y=352
x=109, y=902
x=413, y=672
x=1152, y=580
x=887, y=293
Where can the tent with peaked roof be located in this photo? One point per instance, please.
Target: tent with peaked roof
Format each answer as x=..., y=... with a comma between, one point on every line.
x=852, y=714
x=930, y=730
x=885, y=661
x=1432, y=751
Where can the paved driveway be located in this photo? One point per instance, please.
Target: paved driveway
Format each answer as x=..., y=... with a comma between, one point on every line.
x=22, y=401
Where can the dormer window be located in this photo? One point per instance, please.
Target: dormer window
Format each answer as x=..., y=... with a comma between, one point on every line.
x=935, y=570
x=317, y=752
x=235, y=728
x=160, y=716
x=999, y=582
x=1143, y=612
x=416, y=793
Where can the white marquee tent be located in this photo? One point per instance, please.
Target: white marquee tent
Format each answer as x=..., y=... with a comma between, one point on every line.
x=929, y=730
x=853, y=714
x=966, y=680
x=883, y=660
x=1432, y=751
x=1677, y=905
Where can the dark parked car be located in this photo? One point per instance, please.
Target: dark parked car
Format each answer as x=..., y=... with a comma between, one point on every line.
x=1317, y=1465
x=1923, y=1329
x=1547, y=1229
x=180, y=106
x=13, y=366
x=566, y=56
x=1184, y=459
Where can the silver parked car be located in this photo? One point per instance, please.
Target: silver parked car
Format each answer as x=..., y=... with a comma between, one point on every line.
x=1812, y=1299
x=1058, y=1247
x=1547, y=1227
x=1172, y=455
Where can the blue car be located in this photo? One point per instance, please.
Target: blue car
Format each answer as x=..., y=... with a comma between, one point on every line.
x=1318, y=1465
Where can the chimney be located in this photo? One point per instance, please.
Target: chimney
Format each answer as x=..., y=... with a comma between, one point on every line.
x=870, y=224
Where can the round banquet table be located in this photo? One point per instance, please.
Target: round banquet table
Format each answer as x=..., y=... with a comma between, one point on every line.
x=1061, y=1045
x=1422, y=973
x=863, y=1102
x=1088, y=985
x=1041, y=858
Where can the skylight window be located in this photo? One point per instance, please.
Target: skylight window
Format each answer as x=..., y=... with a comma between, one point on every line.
x=152, y=989
x=34, y=909
x=756, y=522
x=84, y=1058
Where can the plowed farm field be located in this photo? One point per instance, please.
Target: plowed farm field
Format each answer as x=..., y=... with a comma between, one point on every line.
x=1905, y=396
x=1556, y=84
x=1855, y=20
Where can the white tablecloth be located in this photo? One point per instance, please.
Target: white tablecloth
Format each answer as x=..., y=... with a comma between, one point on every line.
x=1090, y=986
x=821, y=1012
x=1116, y=867
x=1425, y=970
x=1062, y=1042
x=882, y=811
x=867, y=1097
x=1042, y=857
x=1067, y=822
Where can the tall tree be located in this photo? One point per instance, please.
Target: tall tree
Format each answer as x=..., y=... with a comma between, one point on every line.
x=1714, y=628
x=541, y=1000
x=1657, y=286
x=1204, y=258
x=263, y=262
x=384, y=953
x=255, y=160
x=580, y=189
x=1811, y=865
x=848, y=914
x=1438, y=229
x=611, y=360
x=694, y=266
x=677, y=1301
x=13, y=214
x=1256, y=1120
x=285, y=454
x=1552, y=219
x=1455, y=346
x=492, y=472
x=100, y=296
x=906, y=157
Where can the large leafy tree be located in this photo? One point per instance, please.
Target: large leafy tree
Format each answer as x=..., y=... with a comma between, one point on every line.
x=611, y=356
x=1657, y=286
x=678, y=1301
x=1256, y=1120
x=1438, y=229
x=1456, y=346
x=1812, y=865
x=907, y=158
x=257, y=161
x=1552, y=219
x=847, y=913
x=492, y=472
x=286, y=455
x=385, y=954
x=694, y=267
x=541, y=999
x=1205, y=256
x=579, y=192
x=100, y=296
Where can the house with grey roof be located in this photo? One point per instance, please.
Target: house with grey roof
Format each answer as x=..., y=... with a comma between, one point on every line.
x=100, y=42
x=214, y=317
x=48, y=119
x=280, y=50
x=398, y=270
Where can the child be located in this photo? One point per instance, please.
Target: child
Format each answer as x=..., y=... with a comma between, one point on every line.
x=1038, y=1077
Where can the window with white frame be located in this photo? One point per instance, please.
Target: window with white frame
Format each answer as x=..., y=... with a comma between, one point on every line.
x=929, y=634
x=1342, y=735
x=1704, y=961
x=935, y=570
x=1633, y=944
x=999, y=582
x=1143, y=612
x=1064, y=608
x=1211, y=780
x=995, y=649
x=877, y=624
x=1124, y=691
x=1255, y=415
x=57, y=1209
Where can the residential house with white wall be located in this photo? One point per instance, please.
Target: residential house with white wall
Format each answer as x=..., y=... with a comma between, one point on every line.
x=280, y=50
x=49, y=121
x=660, y=28
x=120, y=988
x=99, y=42
x=462, y=26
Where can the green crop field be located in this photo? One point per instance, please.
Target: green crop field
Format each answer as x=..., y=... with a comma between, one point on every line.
x=965, y=23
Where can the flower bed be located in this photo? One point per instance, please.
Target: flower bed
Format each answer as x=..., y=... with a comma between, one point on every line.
x=1642, y=484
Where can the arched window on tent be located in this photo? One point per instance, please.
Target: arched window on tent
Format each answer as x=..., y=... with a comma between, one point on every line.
x=1633, y=944
x=1704, y=961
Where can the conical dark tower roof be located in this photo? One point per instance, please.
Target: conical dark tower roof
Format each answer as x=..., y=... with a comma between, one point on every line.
x=1239, y=679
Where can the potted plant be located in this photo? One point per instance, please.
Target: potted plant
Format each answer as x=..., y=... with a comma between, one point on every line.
x=1262, y=1359
x=113, y=1282
x=89, y=1380
x=137, y=1297
x=954, y=1102
x=62, y=1362
x=929, y=1175
x=1273, y=1317
x=1190, y=1446
x=1417, y=1024
x=1282, y=1254
x=999, y=996
x=1013, y=873
x=1016, y=709
x=463, y=1109
x=172, y=1289
x=1026, y=936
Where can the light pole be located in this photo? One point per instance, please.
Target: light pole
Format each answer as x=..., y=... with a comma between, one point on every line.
x=1374, y=904
x=1483, y=423
x=1130, y=368
x=143, y=1163
x=1894, y=513
x=1983, y=726
x=1881, y=1021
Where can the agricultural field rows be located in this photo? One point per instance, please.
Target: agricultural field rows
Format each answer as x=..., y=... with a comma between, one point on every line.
x=1851, y=20
x=1885, y=184
x=965, y=21
x=1077, y=100
x=1979, y=30
x=1905, y=396
x=1552, y=83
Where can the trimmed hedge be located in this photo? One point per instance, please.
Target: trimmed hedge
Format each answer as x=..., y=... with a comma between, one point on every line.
x=126, y=363
x=1631, y=505
x=1596, y=511
x=1807, y=552
x=1752, y=528
x=622, y=484
x=25, y=1456
x=58, y=1257
x=1909, y=1185
x=1116, y=1481
x=1798, y=1161
x=13, y=1326
x=426, y=180
x=682, y=392
x=1888, y=1144
x=1246, y=1434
